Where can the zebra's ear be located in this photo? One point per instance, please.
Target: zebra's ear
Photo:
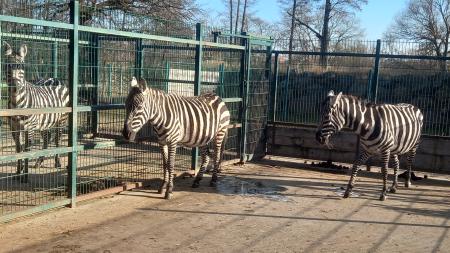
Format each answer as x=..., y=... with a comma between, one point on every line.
x=142, y=84
x=134, y=82
x=23, y=50
x=330, y=93
x=337, y=99
x=7, y=48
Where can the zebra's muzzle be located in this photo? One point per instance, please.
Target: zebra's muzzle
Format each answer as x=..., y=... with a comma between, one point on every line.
x=129, y=135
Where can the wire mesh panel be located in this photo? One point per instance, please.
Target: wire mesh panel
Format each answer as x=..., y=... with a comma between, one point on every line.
x=41, y=52
x=258, y=100
x=302, y=85
x=422, y=83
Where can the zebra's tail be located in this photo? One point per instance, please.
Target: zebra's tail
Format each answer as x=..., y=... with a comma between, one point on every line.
x=222, y=149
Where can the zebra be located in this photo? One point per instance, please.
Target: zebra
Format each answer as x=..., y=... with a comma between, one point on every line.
x=387, y=130
x=189, y=121
x=22, y=94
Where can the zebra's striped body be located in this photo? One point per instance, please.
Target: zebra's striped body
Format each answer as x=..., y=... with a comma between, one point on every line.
x=178, y=120
x=386, y=130
x=22, y=94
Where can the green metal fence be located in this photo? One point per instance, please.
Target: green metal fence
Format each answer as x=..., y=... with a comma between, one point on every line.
x=382, y=72
x=97, y=63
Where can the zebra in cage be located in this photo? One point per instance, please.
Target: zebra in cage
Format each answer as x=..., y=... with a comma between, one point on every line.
x=22, y=94
x=384, y=129
x=188, y=121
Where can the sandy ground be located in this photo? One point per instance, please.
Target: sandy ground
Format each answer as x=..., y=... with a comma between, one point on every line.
x=275, y=206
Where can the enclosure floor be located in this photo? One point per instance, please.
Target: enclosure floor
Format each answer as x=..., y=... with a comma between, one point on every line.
x=302, y=213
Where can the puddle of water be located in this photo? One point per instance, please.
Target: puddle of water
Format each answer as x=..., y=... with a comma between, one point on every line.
x=340, y=192
x=249, y=187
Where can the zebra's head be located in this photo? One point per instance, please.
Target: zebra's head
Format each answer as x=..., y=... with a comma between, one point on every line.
x=15, y=62
x=136, y=107
x=330, y=122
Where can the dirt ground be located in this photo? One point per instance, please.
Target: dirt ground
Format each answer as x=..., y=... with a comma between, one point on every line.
x=273, y=206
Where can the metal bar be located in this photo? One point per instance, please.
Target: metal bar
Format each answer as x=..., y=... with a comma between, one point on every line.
x=231, y=100
x=374, y=91
x=33, y=210
x=221, y=80
x=246, y=88
x=138, y=58
x=167, y=77
x=274, y=92
x=192, y=47
x=73, y=118
x=55, y=59
x=87, y=108
x=96, y=81
x=36, y=22
x=39, y=38
x=109, y=91
x=152, y=37
x=197, y=80
x=33, y=111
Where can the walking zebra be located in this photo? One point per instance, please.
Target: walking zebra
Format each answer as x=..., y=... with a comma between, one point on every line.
x=22, y=94
x=384, y=129
x=188, y=121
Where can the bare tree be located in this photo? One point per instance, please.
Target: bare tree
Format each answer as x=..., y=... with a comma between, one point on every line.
x=427, y=22
x=307, y=13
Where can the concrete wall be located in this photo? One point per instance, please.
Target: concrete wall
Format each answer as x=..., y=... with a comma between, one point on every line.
x=299, y=141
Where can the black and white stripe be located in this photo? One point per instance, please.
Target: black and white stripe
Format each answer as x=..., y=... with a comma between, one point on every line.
x=22, y=94
x=178, y=120
x=386, y=130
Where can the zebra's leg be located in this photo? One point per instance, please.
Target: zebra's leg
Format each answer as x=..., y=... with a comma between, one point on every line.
x=45, y=137
x=396, y=167
x=384, y=169
x=165, y=157
x=29, y=137
x=172, y=148
x=363, y=156
x=57, y=140
x=19, y=148
x=410, y=159
x=218, y=154
x=204, y=153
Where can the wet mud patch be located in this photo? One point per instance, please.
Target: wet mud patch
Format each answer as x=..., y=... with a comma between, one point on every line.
x=230, y=185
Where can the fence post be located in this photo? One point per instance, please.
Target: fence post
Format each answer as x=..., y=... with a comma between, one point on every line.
x=55, y=59
x=286, y=94
x=221, y=80
x=374, y=84
x=73, y=119
x=197, y=80
x=109, y=90
x=138, y=58
x=166, y=83
x=245, y=87
x=96, y=82
x=273, y=101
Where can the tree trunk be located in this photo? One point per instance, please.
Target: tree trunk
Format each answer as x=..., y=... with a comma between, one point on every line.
x=291, y=36
x=244, y=14
x=325, y=39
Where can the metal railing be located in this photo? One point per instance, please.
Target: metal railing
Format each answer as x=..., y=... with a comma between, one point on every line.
x=96, y=64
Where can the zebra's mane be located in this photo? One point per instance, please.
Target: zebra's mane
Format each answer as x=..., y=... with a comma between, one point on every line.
x=361, y=100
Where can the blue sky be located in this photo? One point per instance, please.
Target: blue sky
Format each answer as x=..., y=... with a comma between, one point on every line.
x=375, y=17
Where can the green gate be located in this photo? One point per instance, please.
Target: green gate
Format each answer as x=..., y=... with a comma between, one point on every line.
x=97, y=64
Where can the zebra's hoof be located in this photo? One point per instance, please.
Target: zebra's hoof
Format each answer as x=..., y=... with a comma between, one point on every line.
x=346, y=194
x=168, y=195
x=407, y=184
x=393, y=190
x=383, y=197
x=196, y=184
x=213, y=183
